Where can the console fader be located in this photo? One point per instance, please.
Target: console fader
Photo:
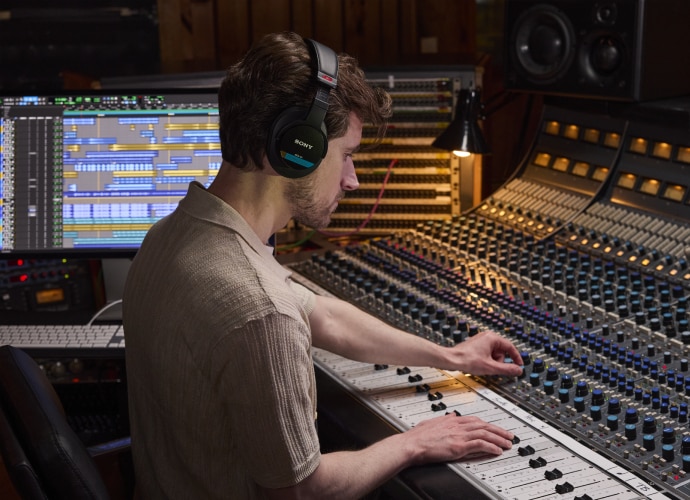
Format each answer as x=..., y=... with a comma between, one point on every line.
x=580, y=259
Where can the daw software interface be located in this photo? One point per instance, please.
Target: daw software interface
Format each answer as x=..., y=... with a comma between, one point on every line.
x=89, y=174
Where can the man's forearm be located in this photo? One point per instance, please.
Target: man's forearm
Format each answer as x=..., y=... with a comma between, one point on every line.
x=346, y=330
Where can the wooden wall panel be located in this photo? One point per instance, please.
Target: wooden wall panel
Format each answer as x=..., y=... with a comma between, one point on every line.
x=196, y=34
x=362, y=21
x=269, y=16
x=438, y=31
x=173, y=34
x=187, y=35
x=328, y=23
x=303, y=17
x=390, y=33
x=451, y=23
x=409, y=38
x=233, y=30
x=202, y=17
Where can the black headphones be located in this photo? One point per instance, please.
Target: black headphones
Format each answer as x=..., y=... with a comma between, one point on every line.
x=297, y=141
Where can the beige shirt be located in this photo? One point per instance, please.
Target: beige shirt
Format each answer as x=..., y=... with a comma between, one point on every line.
x=218, y=351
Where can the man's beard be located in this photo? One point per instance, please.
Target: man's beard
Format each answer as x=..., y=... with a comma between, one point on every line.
x=305, y=210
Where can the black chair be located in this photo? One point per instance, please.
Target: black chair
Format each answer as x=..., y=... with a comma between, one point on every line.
x=44, y=457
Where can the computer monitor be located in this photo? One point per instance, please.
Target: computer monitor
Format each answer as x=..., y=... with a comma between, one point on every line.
x=86, y=175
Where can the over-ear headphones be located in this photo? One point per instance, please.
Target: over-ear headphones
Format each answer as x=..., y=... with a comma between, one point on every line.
x=297, y=141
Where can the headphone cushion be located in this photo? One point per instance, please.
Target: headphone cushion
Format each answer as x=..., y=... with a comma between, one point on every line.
x=295, y=147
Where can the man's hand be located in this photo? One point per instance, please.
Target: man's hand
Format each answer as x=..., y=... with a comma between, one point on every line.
x=452, y=437
x=485, y=354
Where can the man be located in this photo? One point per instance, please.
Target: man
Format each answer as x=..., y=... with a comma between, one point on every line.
x=221, y=382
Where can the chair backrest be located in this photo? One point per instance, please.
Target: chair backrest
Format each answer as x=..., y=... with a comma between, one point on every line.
x=44, y=457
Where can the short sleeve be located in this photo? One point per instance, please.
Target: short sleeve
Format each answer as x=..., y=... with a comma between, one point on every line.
x=266, y=374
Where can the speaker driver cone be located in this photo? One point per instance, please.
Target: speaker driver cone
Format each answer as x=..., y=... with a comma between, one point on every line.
x=543, y=44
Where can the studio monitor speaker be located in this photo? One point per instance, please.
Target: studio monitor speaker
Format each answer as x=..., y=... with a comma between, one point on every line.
x=628, y=50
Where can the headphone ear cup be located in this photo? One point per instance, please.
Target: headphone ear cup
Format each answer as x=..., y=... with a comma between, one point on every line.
x=295, y=147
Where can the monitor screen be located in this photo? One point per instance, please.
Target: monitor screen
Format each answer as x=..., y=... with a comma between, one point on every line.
x=88, y=174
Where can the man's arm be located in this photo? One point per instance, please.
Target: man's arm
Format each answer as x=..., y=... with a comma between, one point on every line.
x=352, y=474
x=342, y=328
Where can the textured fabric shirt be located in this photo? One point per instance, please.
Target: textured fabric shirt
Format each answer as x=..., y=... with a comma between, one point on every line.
x=218, y=350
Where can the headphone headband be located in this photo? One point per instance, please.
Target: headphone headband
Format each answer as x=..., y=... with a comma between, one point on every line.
x=326, y=63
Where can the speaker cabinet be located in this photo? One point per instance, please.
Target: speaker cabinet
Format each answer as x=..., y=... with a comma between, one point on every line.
x=627, y=50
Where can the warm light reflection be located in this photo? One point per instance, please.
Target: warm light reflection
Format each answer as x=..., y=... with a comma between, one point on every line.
x=612, y=140
x=662, y=150
x=561, y=164
x=627, y=181
x=552, y=128
x=571, y=132
x=591, y=135
x=675, y=192
x=638, y=145
x=461, y=154
x=684, y=154
x=542, y=159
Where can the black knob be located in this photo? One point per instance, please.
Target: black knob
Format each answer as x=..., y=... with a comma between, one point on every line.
x=597, y=397
x=668, y=435
x=649, y=425
x=612, y=422
x=631, y=416
x=630, y=432
x=614, y=406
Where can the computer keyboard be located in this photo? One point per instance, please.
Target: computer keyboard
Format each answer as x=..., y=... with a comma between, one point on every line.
x=64, y=340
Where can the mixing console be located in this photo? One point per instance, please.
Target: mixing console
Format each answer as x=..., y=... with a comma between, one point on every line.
x=580, y=259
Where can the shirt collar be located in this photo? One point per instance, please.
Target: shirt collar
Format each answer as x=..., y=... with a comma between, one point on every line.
x=201, y=204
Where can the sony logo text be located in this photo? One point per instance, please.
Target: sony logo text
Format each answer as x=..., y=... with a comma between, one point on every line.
x=303, y=144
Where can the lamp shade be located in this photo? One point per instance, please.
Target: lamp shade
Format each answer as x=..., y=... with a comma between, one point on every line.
x=464, y=135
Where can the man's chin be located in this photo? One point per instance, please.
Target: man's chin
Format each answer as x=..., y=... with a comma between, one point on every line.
x=316, y=224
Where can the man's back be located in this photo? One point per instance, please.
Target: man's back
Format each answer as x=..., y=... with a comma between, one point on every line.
x=204, y=308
